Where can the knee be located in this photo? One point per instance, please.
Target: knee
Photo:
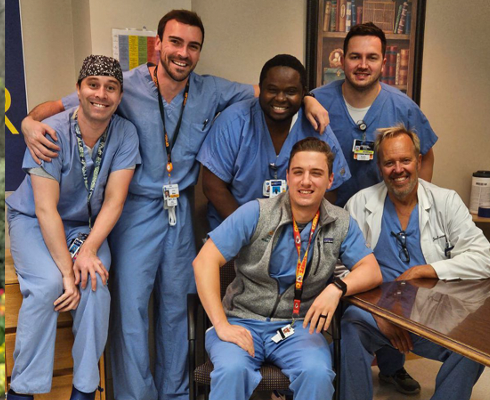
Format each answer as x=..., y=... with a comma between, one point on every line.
x=234, y=368
x=44, y=292
x=315, y=370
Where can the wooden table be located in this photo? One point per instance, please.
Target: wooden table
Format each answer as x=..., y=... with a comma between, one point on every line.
x=453, y=314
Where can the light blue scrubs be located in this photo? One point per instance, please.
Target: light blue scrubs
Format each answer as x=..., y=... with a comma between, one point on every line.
x=390, y=108
x=239, y=151
x=361, y=337
x=40, y=279
x=304, y=358
x=148, y=253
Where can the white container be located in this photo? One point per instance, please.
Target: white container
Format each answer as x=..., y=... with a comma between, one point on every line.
x=480, y=191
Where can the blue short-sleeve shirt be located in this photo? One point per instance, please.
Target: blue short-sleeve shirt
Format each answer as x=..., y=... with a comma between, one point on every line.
x=120, y=152
x=208, y=95
x=390, y=108
x=237, y=230
x=239, y=151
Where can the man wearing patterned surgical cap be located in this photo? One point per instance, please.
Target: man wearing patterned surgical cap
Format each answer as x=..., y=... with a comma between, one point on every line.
x=60, y=217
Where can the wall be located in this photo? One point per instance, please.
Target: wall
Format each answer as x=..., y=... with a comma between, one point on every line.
x=242, y=35
x=48, y=49
x=456, y=89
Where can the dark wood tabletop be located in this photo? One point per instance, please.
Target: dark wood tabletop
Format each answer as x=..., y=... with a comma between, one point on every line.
x=454, y=314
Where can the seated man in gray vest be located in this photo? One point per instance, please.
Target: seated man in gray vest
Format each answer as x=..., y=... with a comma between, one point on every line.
x=283, y=294
x=416, y=230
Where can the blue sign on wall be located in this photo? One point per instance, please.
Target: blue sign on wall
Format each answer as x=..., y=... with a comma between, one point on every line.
x=15, y=96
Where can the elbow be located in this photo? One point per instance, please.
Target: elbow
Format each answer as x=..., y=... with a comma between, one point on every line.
x=43, y=212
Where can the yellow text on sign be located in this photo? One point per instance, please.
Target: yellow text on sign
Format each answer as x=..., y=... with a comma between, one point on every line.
x=8, y=123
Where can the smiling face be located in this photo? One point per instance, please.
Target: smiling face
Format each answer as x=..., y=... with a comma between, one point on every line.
x=180, y=49
x=363, y=62
x=399, y=166
x=281, y=94
x=99, y=97
x=308, y=178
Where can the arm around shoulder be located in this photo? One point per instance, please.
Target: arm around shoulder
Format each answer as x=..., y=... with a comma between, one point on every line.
x=35, y=131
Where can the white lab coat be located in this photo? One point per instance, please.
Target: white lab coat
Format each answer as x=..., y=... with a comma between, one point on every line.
x=444, y=221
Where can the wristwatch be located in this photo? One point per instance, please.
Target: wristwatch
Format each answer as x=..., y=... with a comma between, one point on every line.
x=341, y=285
x=311, y=94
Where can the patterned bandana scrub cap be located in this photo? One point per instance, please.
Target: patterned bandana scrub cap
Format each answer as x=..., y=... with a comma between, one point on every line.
x=101, y=66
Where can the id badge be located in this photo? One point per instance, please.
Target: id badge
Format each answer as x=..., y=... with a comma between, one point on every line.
x=170, y=195
x=363, y=150
x=283, y=333
x=76, y=244
x=274, y=187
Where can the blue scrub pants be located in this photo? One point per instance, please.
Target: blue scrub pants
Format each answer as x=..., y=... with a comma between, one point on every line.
x=41, y=284
x=361, y=338
x=304, y=358
x=149, y=254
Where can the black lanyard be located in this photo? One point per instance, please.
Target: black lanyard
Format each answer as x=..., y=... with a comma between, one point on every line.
x=169, y=147
x=98, y=160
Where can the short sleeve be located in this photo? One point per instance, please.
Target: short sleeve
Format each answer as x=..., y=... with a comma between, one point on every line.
x=340, y=169
x=70, y=101
x=237, y=230
x=420, y=124
x=353, y=248
x=52, y=168
x=219, y=150
x=232, y=92
x=127, y=154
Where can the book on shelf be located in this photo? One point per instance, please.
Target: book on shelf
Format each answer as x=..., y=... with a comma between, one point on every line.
x=326, y=16
x=333, y=14
x=397, y=69
x=403, y=72
x=408, y=23
x=359, y=15
x=403, y=19
x=342, y=15
x=397, y=21
x=353, y=14
x=337, y=15
x=348, y=16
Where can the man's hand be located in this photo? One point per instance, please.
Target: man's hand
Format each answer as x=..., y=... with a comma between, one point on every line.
x=418, y=271
x=236, y=334
x=71, y=296
x=87, y=263
x=325, y=304
x=316, y=114
x=34, y=136
x=399, y=338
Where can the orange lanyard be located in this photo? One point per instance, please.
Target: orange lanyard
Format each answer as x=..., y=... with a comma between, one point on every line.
x=301, y=264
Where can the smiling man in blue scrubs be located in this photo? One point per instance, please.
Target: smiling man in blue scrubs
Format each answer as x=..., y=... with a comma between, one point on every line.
x=80, y=193
x=283, y=295
x=246, y=153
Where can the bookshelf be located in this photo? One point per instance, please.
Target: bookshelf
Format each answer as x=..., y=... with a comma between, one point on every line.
x=401, y=20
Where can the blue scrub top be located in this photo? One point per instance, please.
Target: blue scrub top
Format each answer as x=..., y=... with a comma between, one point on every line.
x=239, y=151
x=390, y=108
x=237, y=230
x=387, y=250
x=120, y=152
x=208, y=95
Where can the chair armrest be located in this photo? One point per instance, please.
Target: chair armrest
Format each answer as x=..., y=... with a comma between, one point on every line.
x=193, y=304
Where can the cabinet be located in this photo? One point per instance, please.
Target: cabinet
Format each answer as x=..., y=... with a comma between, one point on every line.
x=401, y=20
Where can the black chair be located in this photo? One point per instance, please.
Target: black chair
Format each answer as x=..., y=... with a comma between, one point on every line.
x=200, y=367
